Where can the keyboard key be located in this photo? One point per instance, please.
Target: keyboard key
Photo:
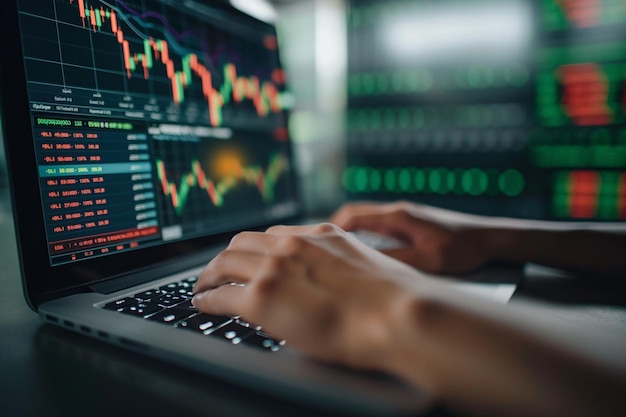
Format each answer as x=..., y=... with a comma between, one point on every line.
x=170, y=315
x=180, y=288
x=119, y=304
x=263, y=341
x=246, y=324
x=169, y=300
x=141, y=309
x=187, y=293
x=234, y=332
x=187, y=304
x=171, y=304
x=191, y=280
x=148, y=295
x=170, y=288
x=203, y=322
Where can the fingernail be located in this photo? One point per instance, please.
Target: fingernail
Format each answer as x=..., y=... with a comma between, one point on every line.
x=197, y=297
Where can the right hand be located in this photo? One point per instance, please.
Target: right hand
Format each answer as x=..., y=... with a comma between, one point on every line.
x=330, y=296
x=436, y=240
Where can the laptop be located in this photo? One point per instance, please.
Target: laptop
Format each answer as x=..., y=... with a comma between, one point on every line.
x=140, y=137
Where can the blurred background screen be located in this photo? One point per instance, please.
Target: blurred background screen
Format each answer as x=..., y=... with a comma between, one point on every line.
x=500, y=107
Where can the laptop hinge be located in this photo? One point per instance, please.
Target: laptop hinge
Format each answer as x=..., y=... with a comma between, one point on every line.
x=144, y=276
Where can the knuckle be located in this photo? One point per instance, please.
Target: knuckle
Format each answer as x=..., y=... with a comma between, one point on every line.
x=273, y=229
x=400, y=211
x=402, y=206
x=325, y=228
x=238, y=239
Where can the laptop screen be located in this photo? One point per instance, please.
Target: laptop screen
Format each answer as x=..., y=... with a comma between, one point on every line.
x=153, y=122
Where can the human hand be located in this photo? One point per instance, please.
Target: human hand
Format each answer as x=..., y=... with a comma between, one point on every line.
x=436, y=240
x=331, y=296
x=338, y=300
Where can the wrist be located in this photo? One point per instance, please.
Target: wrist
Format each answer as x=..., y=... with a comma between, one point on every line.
x=502, y=244
x=411, y=317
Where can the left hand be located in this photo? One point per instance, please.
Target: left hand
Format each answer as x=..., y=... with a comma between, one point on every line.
x=434, y=240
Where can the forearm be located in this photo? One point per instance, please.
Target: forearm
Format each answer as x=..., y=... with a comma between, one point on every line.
x=484, y=367
x=580, y=250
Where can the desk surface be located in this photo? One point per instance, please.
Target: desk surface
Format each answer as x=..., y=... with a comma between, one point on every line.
x=49, y=371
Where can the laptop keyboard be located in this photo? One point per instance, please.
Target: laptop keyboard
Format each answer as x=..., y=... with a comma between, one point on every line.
x=171, y=305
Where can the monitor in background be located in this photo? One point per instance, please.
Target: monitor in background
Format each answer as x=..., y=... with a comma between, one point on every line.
x=512, y=108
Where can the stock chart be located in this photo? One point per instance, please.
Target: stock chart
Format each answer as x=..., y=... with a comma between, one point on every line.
x=200, y=179
x=512, y=108
x=153, y=121
x=134, y=52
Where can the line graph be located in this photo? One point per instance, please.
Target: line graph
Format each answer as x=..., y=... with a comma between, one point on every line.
x=178, y=192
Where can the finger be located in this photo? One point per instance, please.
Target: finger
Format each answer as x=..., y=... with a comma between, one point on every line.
x=227, y=300
x=295, y=309
x=255, y=242
x=309, y=229
x=346, y=218
x=293, y=242
x=351, y=210
x=262, y=243
x=359, y=206
x=245, y=267
x=273, y=300
x=396, y=224
x=229, y=267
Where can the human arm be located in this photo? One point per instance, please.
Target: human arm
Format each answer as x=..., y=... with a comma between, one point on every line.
x=344, y=303
x=444, y=241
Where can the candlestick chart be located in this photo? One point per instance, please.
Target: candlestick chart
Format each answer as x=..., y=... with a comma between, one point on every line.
x=158, y=54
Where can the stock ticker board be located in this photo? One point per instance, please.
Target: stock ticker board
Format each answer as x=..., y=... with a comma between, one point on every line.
x=513, y=107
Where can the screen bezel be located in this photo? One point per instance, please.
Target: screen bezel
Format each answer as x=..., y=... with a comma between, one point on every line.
x=41, y=281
